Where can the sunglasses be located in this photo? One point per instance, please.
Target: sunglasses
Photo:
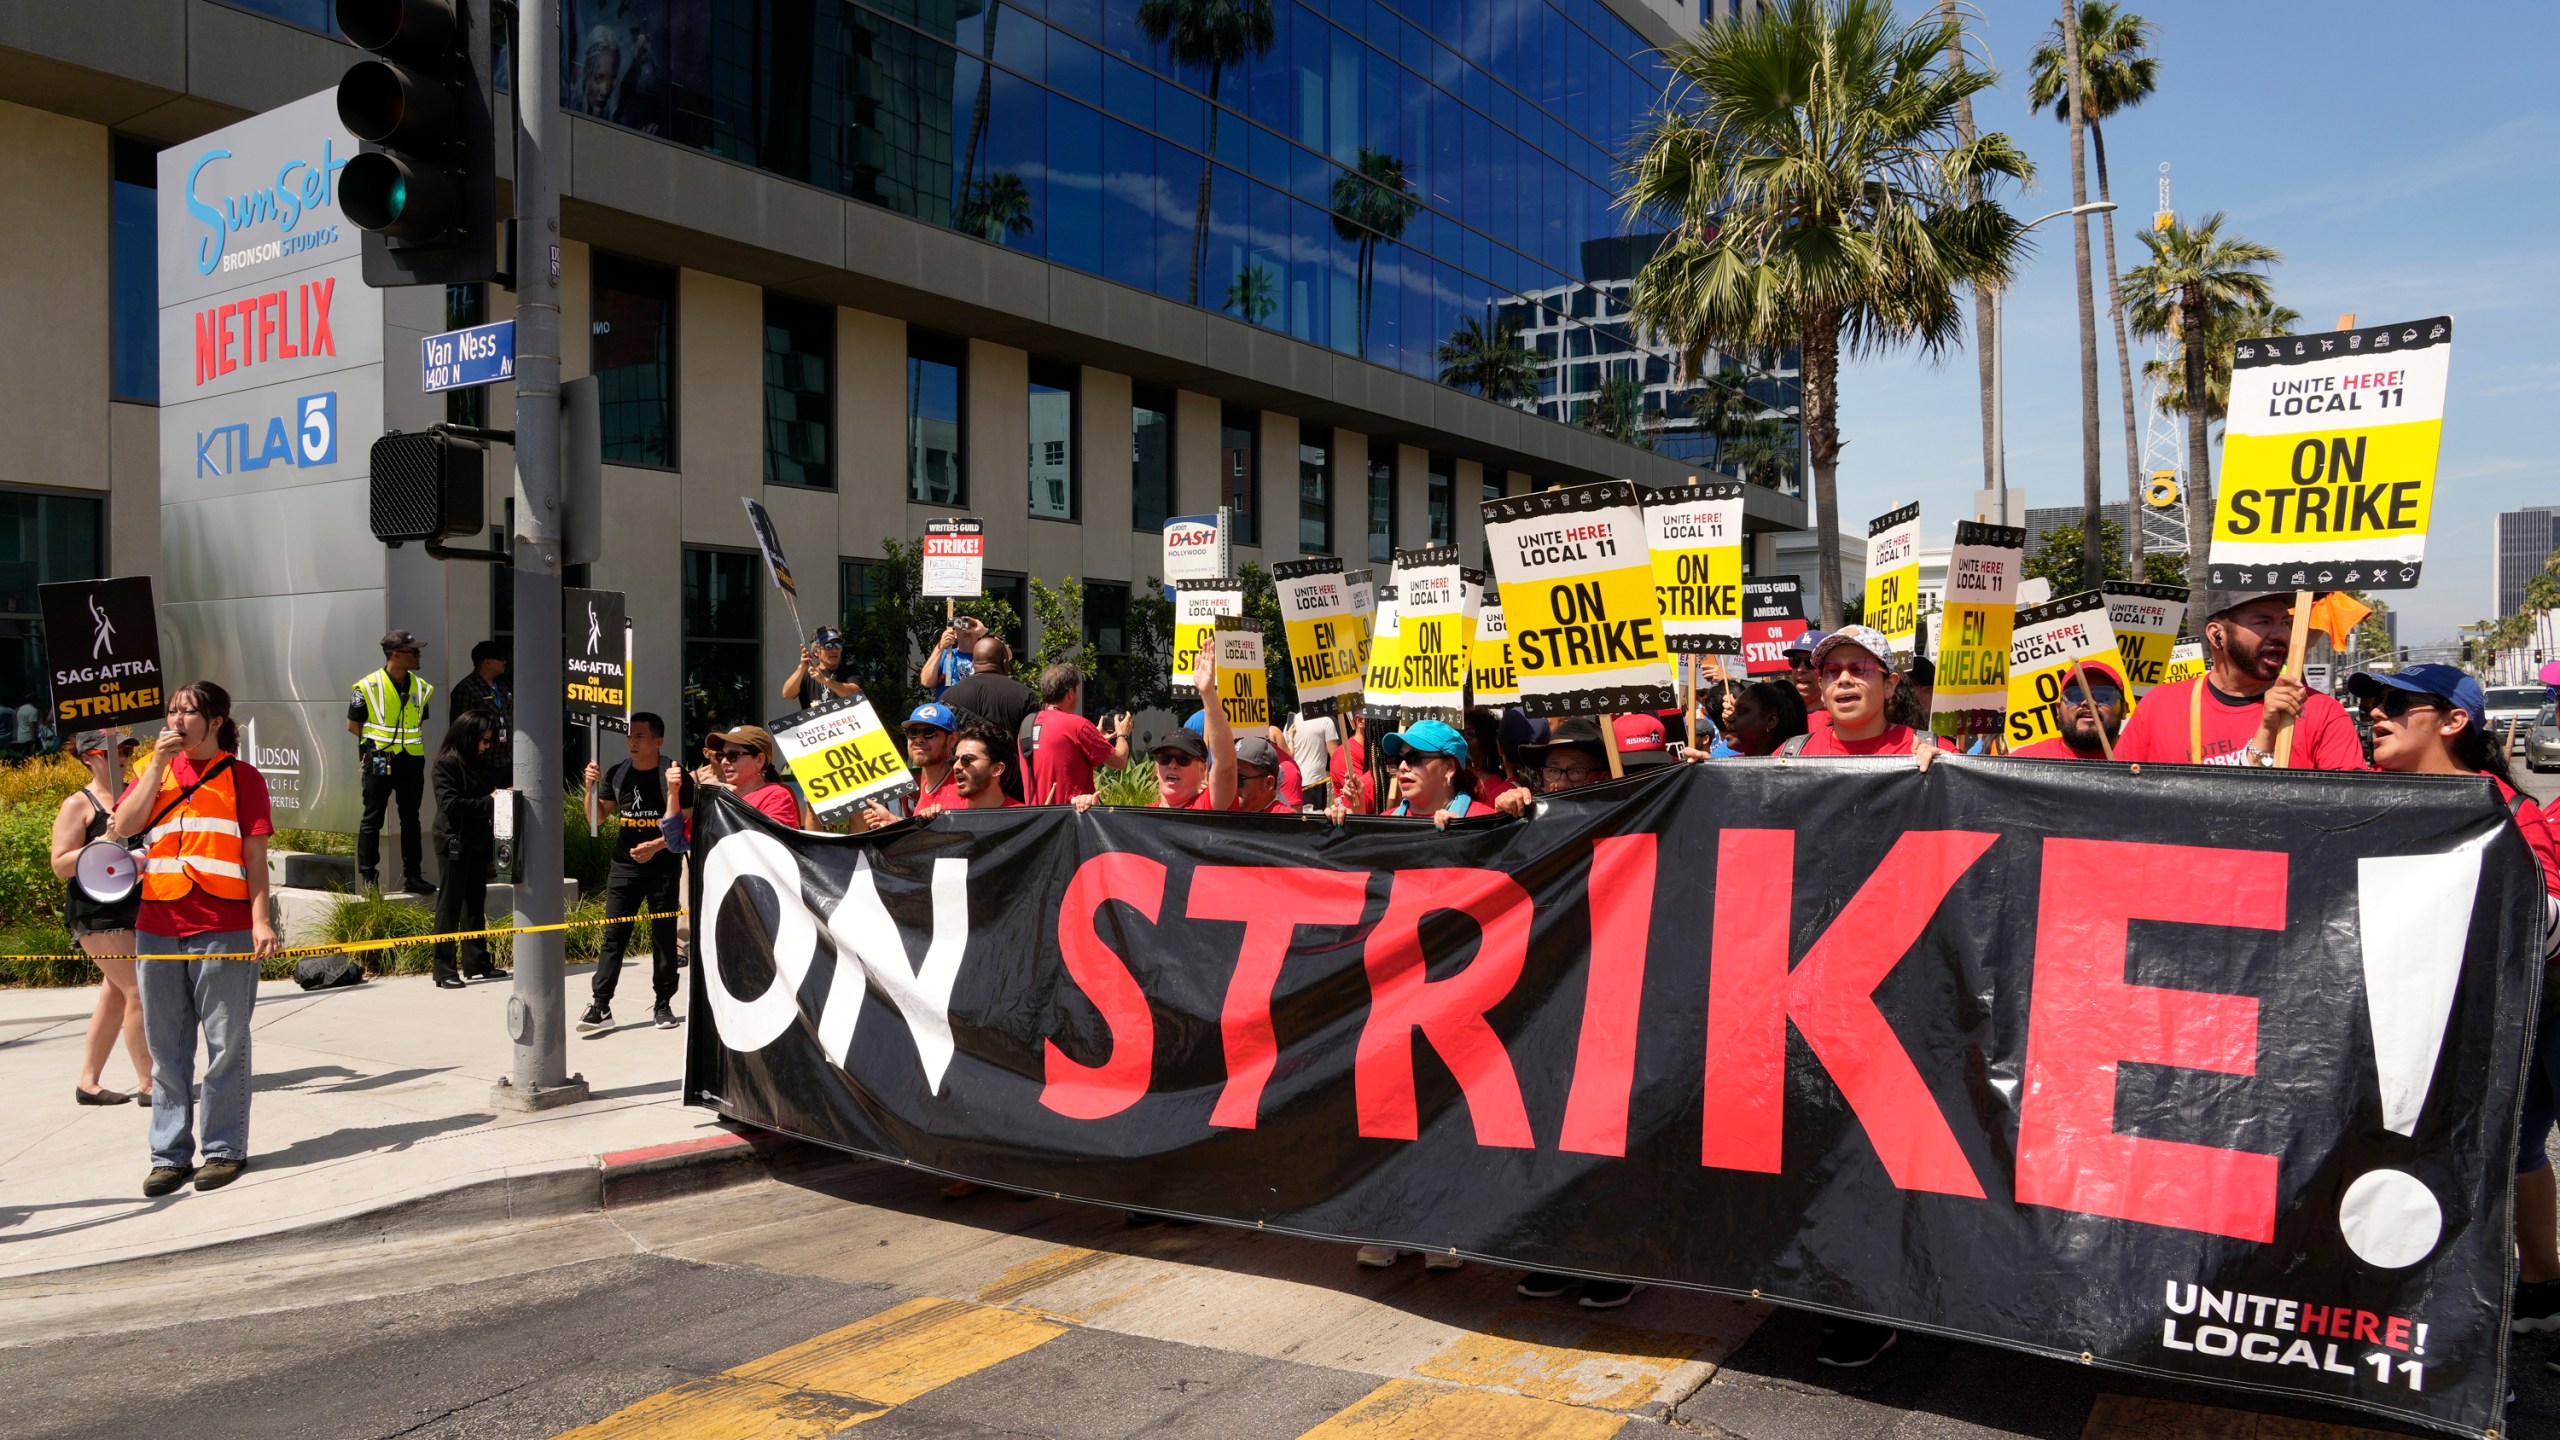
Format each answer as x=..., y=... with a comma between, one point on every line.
x=971, y=758
x=1862, y=669
x=1175, y=758
x=924, y=732
x=2395, y=703
x=2107, y=694
x=123, y=747
x=1415, y=760
x=733, y=753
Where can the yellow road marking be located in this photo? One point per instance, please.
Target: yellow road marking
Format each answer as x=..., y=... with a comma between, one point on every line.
x=1040, y=1270
x=835, y=1380
x=722, y=1407
x=2122, y=1417
x=899, y=1354
x=1416, y=1410
x=1566, y=1358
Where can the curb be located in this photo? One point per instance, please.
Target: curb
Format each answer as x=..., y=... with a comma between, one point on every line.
x=612, y=1181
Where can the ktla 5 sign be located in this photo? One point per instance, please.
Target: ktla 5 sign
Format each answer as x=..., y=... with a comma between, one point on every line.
x=305, y=436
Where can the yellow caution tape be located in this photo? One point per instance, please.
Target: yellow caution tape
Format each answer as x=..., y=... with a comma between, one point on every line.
x=395, y=942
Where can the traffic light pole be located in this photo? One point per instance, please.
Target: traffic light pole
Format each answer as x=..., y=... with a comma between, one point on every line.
x=537, y=1018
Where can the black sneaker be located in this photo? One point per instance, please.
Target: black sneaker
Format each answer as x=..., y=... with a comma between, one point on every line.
x=1606, y=1294
x=219, y=1172
x=417, y=885
x=2537, y=1307
x=664, y=1017
x=596, y=1018
x=165, y=1180
x=1542, y=1285
x=1853, y=1344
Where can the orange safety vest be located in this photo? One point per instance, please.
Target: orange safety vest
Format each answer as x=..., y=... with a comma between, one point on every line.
x=198, y=845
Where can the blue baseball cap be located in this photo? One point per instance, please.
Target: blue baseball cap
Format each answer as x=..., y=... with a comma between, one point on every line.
x=2450, y=683
x=1198, y=724
x=1804, y=644
x=1427, y=737
x=937, y=716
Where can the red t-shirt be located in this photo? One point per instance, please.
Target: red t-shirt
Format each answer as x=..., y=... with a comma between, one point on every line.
x=2538, y=834
x=1293, y=788
x=1490, y=788
x=1062, y=766
x=2323, y=737
x=2052, y=747
x=1896, y=740
x=775, y=799
x=197, y=913
x=945, y=796
x=1350, y=774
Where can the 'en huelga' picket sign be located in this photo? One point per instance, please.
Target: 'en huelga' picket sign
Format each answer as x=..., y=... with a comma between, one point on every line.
x=1322, y=634
x=1981, y=608
x=1893, y=576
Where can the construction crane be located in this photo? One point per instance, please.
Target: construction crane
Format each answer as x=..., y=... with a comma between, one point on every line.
x=2164, y=507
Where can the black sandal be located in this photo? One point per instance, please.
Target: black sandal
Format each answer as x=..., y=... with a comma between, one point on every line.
x=100, y=1096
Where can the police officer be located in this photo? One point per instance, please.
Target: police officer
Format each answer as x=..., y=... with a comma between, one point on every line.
x=388, y=717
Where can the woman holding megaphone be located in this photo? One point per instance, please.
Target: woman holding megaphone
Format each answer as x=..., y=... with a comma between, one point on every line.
x=102, y=893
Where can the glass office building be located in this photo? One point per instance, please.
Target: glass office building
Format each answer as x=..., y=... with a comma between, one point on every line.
x=1364, y=176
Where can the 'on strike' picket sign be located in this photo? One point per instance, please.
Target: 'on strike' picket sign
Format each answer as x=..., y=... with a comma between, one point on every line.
x=1576, y=575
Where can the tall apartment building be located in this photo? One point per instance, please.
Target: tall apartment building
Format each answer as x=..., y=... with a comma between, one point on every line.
x=2525, y=538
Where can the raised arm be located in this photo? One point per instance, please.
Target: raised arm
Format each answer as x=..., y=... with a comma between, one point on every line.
x=1214, y=731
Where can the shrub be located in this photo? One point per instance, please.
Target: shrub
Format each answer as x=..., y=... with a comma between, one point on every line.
x=1133, y=786
x=314, y=842
x=31, y=794
x=372, y=917
x=43, y=935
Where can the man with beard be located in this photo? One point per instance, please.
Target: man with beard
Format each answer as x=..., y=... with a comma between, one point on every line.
x=929, y=731
x=2092, y=701
x=977, y=768
x=2235, y=712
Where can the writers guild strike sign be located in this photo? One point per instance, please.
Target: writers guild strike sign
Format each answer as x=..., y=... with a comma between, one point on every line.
x=1196, y=608
x=1493, y=679
x=1695, y=534
x=2186, y=662
x=2145, y=619
x=1577, y=587
x=1244, y=689
x=1981, y=608
x=1322, y=634
x=1383, y=685
x=2329, y=458
x=102, y=653
x=1772, y=616
x=1434, y=623
x=594, y=662
x=1893, y=576
x=771, y=544
x=955, y=558
x=2255, y=1127
x=842, y=756
x=2049, y=640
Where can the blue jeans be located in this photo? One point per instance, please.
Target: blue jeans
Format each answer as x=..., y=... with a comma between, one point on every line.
x=178, y=998
x=2541, y=1095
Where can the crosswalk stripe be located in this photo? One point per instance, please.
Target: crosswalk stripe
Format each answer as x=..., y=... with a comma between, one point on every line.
x=2124, y=1417
x=831, y=1381
x=1418, y=1410
x=1566, y=1358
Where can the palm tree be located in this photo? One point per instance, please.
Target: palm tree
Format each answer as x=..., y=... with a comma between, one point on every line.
x=1371, y=207
x=1215, y=33
x=1617, y=411
x=996, y=207
x=2222, y=334
x=986, y=95
x=1986, y=312
x=1254, y=294
x=1807, y=171
x=2195, y=276
x=2117, y=72
x=1725, y=409
x=2092, y=537
x=1488, y=357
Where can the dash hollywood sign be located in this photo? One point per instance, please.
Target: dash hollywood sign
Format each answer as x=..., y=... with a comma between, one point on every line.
x=1994, y=1050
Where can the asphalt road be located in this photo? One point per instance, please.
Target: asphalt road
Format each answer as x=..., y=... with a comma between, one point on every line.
x=852, y=1293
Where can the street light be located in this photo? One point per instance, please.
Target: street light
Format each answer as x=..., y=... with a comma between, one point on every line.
x=1999, y=368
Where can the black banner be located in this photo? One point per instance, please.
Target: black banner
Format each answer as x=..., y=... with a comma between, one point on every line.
x=592, y=656
x=2198, y=1074
x=102, y=653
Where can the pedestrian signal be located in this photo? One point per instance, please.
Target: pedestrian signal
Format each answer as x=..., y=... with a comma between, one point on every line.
x=426, y=487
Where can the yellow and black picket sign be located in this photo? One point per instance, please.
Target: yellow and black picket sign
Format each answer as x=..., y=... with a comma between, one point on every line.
x=1694, y=533
x=2050, y=641
x=1576, y=576
x=1434, y=626
x=1974, y=633
x=2329, y=461
x=2145, y=619
x=1196, y=608
x=1244, y=686
x=842, y=756
x=1322, y=634
x=2186, y=662
x=1489, y=658
x=1893, y=576
x=1384, y=682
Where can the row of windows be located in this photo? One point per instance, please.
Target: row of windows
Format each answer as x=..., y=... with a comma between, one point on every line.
x=44, y=538
x=633, y=355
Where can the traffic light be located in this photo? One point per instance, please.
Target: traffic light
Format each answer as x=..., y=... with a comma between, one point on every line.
x=424, y=191
x=427, y=486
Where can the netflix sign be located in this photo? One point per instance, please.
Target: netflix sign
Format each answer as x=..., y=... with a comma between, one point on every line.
x=2203, y=1074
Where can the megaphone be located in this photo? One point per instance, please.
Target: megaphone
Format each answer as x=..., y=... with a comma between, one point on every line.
x=107, y=871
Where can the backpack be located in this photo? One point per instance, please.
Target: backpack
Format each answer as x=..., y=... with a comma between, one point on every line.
x=326, y=972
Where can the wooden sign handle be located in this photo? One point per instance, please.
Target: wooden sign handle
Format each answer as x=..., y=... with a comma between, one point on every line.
x=2293, y=667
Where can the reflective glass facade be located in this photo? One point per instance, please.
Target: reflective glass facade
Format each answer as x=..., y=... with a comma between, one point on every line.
x=1382, y=172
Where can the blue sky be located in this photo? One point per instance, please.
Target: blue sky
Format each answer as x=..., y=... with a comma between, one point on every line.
x=2404, y=157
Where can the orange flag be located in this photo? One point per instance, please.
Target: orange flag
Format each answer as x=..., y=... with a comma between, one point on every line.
x=2337, y=614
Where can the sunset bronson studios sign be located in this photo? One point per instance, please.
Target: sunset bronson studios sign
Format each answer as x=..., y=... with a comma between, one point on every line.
x=271, y=396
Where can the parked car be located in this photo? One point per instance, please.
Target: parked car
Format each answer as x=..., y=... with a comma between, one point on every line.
x=2512, y=708
x=2542, y=742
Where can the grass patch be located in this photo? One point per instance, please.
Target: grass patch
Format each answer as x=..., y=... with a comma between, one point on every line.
x=372, y=917
x=314, y=842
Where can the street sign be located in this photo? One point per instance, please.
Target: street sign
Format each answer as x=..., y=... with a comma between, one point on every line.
x=102, y=653
x=1191, y=549
x=460, y=359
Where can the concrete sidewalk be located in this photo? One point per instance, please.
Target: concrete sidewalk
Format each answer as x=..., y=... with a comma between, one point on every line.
x=371, y=1110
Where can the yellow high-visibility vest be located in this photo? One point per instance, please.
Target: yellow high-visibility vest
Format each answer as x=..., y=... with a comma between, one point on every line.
x=394, y=723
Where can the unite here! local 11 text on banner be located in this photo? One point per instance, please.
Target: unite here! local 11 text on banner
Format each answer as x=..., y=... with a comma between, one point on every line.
x=1576, y=576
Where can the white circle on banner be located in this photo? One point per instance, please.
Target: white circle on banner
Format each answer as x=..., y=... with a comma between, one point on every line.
x=2390, y=1218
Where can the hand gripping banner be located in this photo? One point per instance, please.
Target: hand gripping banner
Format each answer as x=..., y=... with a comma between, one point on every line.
x=2198, y=1074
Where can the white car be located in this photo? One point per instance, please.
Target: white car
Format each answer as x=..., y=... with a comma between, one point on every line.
x=2511, y=711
